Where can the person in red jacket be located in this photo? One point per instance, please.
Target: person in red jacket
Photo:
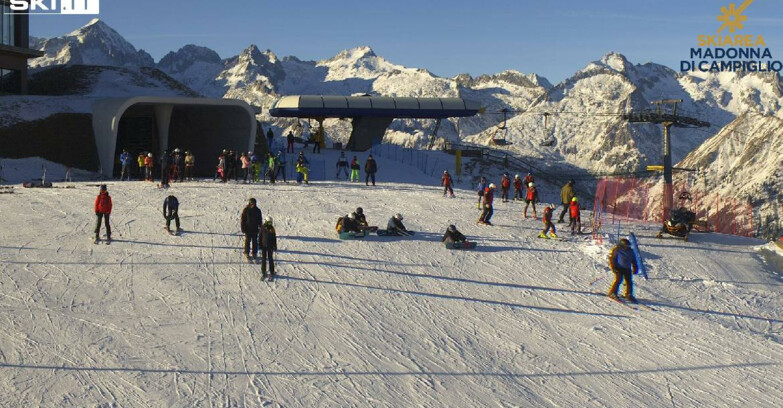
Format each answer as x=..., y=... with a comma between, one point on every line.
x=576, y=220
x=505, y=185
x=102, y=211
x=531, y=198
x=447, y=182
x=486, y=213
x=528, y=179
x=518, y=189
x=548, y=225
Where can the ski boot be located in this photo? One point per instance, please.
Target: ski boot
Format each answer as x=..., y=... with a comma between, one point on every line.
x=552, y=235
x=542, y=235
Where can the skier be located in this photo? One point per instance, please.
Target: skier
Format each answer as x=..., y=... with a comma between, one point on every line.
x=486, y=213
x=566, y=194
x=290, y=139
x=528, y=179
x=231, y=166
x=220, y=170
x=250, y=222
x=355, y=166
x=482, y=186
x=452, y=235
x=505, y=185
x=256, y=167
x=318, y=138
x=270, y=138
x=140, y=161
x=547, y=218
x=125, y=161
x=102, y=211
x=247, y=166
x=370, y=168
x=531, y=198
x=280, y=159
x=149, y=164
x=165, y=162
x=446, y=181
x=518, y=188
x=177, y=173
x=396, y=227
x=622, y=262
x=171, y=212
x=271, y=167
x=576, y=220
x=342, y=163
x=268, y=248
x=190, y=165
x=301, y=168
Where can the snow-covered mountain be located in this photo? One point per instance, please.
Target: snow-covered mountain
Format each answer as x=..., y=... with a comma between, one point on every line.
x=94, y=44
x=743, y=161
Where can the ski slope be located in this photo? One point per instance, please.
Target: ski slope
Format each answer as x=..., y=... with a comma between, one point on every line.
x=154, y=320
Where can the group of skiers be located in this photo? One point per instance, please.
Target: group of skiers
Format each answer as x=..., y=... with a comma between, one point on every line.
x=370, y=168
x=174, y=166
x=486, y=195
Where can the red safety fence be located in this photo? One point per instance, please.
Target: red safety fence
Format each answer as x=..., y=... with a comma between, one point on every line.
x=618, y=199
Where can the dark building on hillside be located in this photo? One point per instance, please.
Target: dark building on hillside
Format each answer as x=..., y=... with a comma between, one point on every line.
x=14, y=50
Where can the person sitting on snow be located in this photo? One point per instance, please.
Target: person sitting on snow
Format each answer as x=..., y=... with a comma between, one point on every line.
x=396, y=227
x=452, y=235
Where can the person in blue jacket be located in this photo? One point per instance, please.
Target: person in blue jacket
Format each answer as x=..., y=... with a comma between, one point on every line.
x=125, y=161
x=622, y=262
x=482, y=186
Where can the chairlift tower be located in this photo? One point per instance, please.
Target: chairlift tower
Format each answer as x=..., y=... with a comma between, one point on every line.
x=667, y=119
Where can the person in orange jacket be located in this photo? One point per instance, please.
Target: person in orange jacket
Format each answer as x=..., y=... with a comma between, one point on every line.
x=149, y=163
x=446, y=181
x=102, y=211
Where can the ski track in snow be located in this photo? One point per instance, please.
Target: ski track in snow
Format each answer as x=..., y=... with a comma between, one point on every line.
x=154, y=320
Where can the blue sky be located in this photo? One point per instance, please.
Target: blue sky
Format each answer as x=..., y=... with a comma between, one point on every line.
x=550, y=38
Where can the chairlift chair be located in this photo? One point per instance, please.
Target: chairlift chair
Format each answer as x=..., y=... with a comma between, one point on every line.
x=501, y=129
x=549, y=139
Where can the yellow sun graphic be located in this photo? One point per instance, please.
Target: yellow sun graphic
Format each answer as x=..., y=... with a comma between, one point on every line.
x=732, y=17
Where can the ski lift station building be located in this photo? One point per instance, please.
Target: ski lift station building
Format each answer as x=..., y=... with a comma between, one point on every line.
x=156, y=124
x=371, y=115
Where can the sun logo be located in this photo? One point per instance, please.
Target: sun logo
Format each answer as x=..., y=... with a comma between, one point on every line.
x=732, y=17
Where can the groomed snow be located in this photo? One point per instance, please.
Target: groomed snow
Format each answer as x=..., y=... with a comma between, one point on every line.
x=154, y=320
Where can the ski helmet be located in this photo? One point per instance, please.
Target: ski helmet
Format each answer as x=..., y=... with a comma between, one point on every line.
x=353, y=216
x=268, y=220
x=452, y=228
x=149, y=154
x=398, y=216
x=624, y=242
x=445, y=172
x=492, y=185
x=103, y=187
x=516, y=176
x=531, y=184
x=359, y=210
x=252, y=201
x=573, y=200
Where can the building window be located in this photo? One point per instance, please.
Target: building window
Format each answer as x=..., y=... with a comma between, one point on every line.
x=6, y=25
x=10, y=81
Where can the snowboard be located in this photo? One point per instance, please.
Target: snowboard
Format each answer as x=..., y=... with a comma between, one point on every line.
x=351, y=235
x=638, y=255
x=370, y=229
x=460, y=245
x=383, y=232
